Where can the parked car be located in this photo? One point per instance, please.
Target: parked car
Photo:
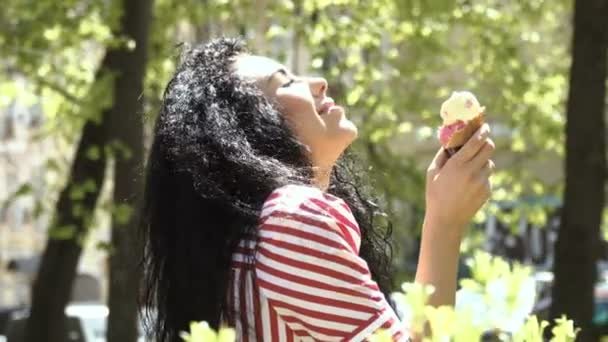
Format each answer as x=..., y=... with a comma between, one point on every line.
x=86, y=323
x=6, y=314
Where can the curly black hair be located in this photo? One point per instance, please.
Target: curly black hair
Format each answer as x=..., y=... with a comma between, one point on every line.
x=220, y=147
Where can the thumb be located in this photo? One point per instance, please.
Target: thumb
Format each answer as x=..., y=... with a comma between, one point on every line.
x=438, y=161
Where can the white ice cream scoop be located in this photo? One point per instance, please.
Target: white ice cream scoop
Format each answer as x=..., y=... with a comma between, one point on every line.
x=462, y=105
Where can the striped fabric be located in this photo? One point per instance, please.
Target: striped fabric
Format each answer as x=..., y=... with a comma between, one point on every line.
x=308, y=282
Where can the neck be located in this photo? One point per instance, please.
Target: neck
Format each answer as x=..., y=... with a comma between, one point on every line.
x=322, y=176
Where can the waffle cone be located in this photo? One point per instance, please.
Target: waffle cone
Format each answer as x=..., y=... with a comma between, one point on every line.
x=460, y=137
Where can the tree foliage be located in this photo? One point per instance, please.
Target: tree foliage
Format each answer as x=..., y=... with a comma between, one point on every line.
x=391, y=63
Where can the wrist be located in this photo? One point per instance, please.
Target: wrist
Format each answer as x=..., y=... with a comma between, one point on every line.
x=440, y=229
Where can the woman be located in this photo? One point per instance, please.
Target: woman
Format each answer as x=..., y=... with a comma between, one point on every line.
x=254, y=217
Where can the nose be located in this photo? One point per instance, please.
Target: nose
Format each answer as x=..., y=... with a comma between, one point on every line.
x=318, y=86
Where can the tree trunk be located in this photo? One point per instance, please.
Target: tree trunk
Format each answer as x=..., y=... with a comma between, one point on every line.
x=577, y=244
x=52, y=287
x=126, y=125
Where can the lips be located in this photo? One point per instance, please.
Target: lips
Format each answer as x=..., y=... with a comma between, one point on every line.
x=325, y=106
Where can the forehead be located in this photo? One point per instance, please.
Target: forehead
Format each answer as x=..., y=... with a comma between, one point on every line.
x=256, y=68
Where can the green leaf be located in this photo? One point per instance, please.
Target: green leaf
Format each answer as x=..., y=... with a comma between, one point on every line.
x=65, y=232
x=93, y=152
x=122, y=213
x=105, y=246
x=23, y=190
x=564, y=330
x=201, y=332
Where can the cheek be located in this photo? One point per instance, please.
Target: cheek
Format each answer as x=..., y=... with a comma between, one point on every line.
x=294, y=103
x=306, y=126
x=301, y=114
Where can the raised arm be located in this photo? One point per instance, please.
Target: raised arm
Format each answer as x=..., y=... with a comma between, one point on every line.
x=456, y=188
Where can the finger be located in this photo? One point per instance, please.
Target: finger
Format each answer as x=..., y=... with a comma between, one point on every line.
x=486, y=191
x=483, y=156
x=473, y=145
x=484, y=177
x=487, y=170
x=441, y=157
x=487, y=188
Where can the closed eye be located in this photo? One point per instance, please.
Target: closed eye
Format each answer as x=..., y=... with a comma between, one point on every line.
x=288, y=83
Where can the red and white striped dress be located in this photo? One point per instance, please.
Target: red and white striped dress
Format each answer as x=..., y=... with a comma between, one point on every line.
x=310, y=283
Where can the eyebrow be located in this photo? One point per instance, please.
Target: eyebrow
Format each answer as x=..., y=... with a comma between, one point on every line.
x=281, y=71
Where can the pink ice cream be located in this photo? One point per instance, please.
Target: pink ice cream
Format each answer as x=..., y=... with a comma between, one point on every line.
x=446, y=132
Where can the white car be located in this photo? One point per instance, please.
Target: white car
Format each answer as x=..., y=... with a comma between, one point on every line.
x=86, y=323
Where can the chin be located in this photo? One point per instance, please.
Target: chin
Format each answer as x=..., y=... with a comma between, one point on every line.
x=349, y=129
x=347, y=136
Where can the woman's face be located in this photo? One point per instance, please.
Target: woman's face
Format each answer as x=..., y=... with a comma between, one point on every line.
x=314, y=117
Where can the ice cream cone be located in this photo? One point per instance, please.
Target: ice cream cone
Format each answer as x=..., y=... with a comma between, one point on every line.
x=461, y=136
